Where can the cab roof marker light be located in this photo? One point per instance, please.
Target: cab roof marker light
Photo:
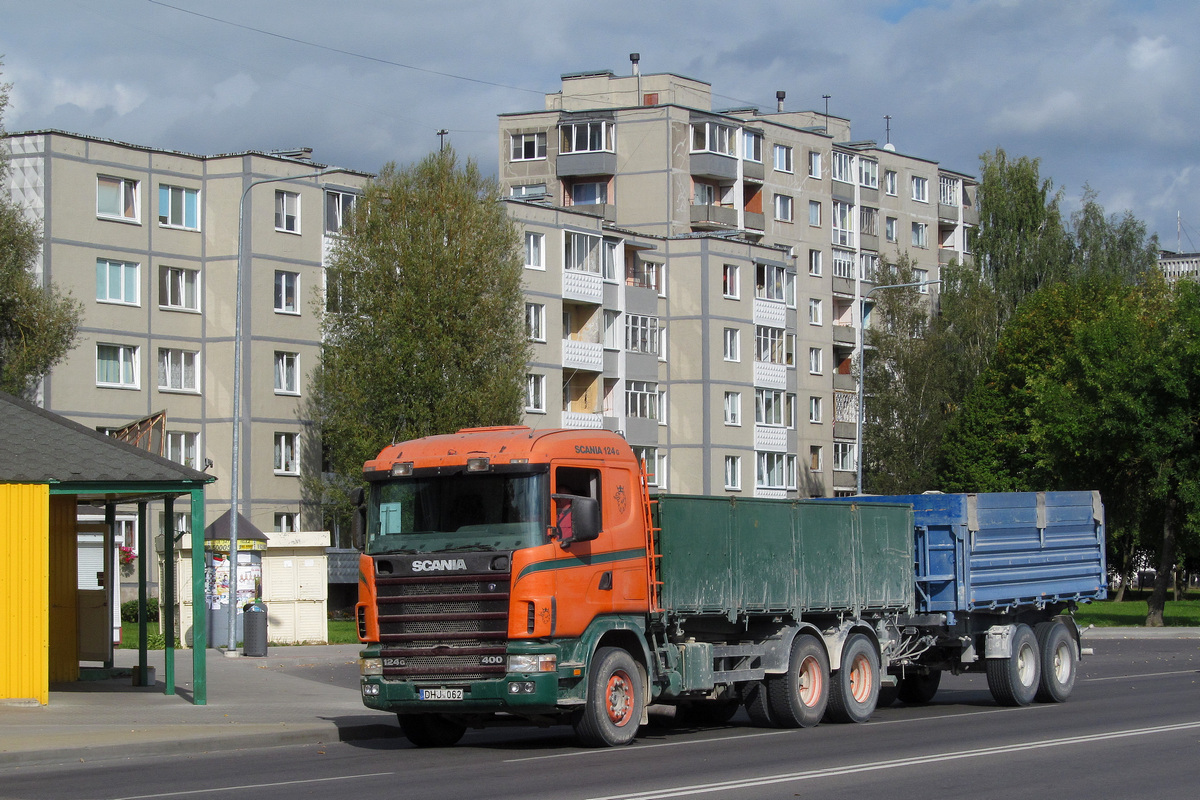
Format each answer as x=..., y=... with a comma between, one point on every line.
x=402, y=469
x=478, y=464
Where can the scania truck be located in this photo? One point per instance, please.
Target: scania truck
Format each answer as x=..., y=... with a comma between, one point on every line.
x=518, y=574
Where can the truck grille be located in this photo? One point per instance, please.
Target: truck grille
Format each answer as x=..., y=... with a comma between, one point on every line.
x=442, y=628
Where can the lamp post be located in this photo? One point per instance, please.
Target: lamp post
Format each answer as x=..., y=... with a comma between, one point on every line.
x=862, y=373
x=234, y=499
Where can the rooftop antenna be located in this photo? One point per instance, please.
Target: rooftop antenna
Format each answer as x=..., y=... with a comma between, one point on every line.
x=827, y=96
x=441, y=134
x=887, y=145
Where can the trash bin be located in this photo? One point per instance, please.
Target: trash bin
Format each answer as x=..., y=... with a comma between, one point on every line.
x=254, y=629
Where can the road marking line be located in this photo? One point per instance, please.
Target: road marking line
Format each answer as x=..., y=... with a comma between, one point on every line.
x=255, y=786
x=706, y=788
x=1141, y=675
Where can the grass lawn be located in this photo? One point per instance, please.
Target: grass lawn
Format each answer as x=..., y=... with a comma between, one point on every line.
x=341, y=631
x=1131, y=612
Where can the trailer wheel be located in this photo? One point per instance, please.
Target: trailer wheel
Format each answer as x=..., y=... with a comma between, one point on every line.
x=1059, y=656
x=613, y=710
x=431, y=730
x=757, y=705
x=919, y=689
x=1014, y=680
x=798, y=697
x=855, y=689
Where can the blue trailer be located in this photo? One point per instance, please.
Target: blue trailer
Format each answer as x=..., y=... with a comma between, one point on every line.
x=996, y=579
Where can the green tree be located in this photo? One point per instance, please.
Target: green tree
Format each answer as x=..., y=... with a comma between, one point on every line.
x=37, y=323
x=423, y=326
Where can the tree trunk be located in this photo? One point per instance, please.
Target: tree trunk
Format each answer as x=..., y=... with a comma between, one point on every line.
x=1166, y=560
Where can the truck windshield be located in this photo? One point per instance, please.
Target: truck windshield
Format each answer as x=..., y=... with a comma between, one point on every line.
x=426, y=514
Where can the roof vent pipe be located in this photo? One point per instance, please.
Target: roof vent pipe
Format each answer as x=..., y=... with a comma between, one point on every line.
x=634, y=58
x=779, y=100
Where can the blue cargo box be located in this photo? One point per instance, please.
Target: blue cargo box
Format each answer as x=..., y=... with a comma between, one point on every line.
x=1001, y=551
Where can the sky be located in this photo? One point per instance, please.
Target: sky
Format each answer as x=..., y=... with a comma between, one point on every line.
x=1103, y=93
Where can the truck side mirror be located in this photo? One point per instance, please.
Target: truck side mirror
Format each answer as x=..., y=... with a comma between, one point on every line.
x=577, y=518
x=358, y=524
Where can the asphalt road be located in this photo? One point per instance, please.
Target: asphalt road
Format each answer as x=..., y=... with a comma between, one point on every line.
x=1132, y=728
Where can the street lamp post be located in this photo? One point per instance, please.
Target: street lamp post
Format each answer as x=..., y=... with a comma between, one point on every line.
x=234, y=498
x=862, y=373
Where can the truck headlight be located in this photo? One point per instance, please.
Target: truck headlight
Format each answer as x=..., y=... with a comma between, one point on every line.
x=532, y=662
x=370, y=666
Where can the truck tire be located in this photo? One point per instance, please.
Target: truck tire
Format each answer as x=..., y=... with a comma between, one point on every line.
x=798, y=697
x=613, y=710
x=1013, y=680
x=855, y=687
x=431, y=730
x=757, y=705
x=918, y=689
x=1059, y=658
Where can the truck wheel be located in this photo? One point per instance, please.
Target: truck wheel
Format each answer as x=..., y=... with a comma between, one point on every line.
x=613, y=710
x=799, y=697
x=757, y=705
x=919, y=689
x=1014, y=680
x=430, y=730
x=1057, y=647
x=855, y=689
x=888, y=695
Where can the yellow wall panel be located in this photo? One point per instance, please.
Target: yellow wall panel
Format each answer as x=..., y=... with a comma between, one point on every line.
x=24, y=592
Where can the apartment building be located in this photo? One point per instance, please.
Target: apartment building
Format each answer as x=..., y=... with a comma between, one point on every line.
x=1177, y=265
x=147, y=239
x=713, y=271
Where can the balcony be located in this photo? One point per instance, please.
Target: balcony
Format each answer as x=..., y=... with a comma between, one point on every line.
x=583, y=287
x=587, y=163
x=713, y=165
x=714, y=217
x=770, y=376
x=583, y=355
x=577, y=420
x=772, y=313
x=755, y=221
x=843, y=334
x=770, y=439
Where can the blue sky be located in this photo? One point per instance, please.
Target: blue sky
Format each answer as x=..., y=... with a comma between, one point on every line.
x=1104, y=93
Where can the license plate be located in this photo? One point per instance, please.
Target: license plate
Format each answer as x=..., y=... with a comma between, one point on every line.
x=441, y=694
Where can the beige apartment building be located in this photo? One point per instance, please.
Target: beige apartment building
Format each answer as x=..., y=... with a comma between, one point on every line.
x=147, y=239
x=697, y=279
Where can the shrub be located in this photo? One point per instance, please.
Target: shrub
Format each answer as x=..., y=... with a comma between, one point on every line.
x=129, y=611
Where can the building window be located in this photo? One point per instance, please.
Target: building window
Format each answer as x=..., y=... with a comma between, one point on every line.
x=178, y=207
x=770, y=474
x=589, y=193
x=587, y=137
x=117, y=198
x=535, y=251
x=181, y=448
x=528, y=190
x=535, y=393
x=641, y=334
x=843, y=167
x=814, y=409
x=642, y=273
x=814, y=164
x=177, y=370
x=654, y=464
x=814, y=458
x=768, y=344
x=730, y=278
x=814, y=213
x=868, y=173
x=769, y=407
x=712, y=137
x=287, y=448
x=868, y=266
x=843, y=223
x=814, y=311
x=791, y=472
x=890, y=182
x=733, y=473
x=733, y=408
x=117, y=282
x=179, y=289
x=770, y=281
x=286, y=522
x=843, y=457
x=339, y=208
x=608, y=260
x=920, y=189
x=752, y=146
x=535, y=322
x=814, y=263
x=287, y=211
x=814, y=360
x=783, y=158
x=641, y=399
x=783, y=207
x=843, y=264
x=733, y=344
x=612, y=329
x=287, y=373
x=948, y=190
x=889, y=227
x=287, y=292
x=921, y=276
x=920, y=236
x=528, y=146
x=868, y=221
x=582, y=252
x=117, y=366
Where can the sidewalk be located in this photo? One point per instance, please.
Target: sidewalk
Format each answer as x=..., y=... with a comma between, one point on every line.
x=295, y=695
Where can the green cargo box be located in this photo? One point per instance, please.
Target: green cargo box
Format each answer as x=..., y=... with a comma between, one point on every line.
x=735, y=558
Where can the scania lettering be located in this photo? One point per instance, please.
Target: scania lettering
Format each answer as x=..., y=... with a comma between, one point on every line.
x=513, y=573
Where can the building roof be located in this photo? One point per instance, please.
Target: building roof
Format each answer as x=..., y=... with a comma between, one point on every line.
x=37, y=446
